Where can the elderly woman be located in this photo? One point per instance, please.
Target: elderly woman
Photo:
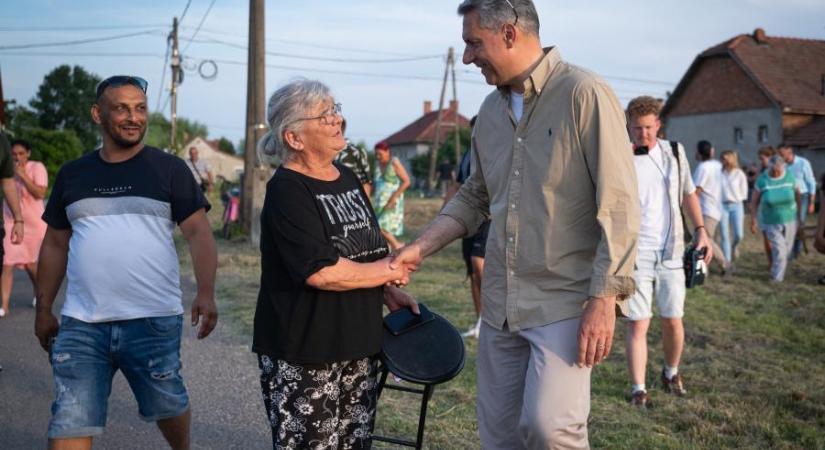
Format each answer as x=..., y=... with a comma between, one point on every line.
x=775, y=201
x=391, y=180
x=31, y=180
x=324, y=266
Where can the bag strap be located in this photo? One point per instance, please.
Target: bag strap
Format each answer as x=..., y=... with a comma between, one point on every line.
x=674, y=148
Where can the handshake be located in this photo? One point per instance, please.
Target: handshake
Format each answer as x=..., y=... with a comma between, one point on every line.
x=401, y=263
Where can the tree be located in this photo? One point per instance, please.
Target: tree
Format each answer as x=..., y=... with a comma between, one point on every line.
x=19, y=118
x=159, y=131
x=420, y=165
x=226, y=146
x=63, y=100
x=52, y=147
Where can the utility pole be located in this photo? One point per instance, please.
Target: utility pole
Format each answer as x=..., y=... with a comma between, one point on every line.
x=457, y=130
x=2, y=104
x=175, y=80
x=254, y=176
x=434, y=149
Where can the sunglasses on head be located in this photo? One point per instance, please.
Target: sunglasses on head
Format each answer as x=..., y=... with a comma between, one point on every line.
x=121, y=80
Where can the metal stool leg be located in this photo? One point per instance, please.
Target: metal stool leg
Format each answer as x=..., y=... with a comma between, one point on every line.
x=422, y=417
x=382, y=382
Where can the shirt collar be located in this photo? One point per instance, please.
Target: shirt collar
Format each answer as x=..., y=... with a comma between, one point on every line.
x=538, y=78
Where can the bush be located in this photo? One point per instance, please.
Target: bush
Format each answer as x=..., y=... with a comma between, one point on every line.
x=52, y=147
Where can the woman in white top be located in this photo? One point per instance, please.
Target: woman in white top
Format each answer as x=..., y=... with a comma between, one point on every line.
x=734, y=193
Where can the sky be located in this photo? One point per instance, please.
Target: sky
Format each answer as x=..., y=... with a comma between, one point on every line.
x=382, y=58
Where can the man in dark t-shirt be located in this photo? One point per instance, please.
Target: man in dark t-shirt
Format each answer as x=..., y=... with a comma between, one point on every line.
x=116, y=209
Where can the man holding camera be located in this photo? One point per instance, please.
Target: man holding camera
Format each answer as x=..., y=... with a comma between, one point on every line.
x=665, y=186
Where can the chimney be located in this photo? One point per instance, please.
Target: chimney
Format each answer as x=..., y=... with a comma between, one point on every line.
x=453, y=105
x=428, y=106
x=759, y=36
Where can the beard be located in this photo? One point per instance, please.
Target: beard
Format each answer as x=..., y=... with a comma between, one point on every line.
x=119, y=138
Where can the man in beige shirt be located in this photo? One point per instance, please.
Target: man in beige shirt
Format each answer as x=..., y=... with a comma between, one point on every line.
x=552, y=170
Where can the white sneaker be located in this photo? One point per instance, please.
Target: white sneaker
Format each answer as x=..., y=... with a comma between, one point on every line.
x=2, y=312
x=472, y=331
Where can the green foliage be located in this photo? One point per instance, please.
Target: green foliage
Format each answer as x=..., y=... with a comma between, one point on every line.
x=63, y=100
x=159, y=132
x=226, y=146
x=420, y=164
x=52, y=147
x=19, y=118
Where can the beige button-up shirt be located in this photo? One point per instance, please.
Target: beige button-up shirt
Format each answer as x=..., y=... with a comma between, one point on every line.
x=560, y=187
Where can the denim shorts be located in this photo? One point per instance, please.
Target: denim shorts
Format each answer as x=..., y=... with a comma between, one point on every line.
x=662, y=280
x=85, y=357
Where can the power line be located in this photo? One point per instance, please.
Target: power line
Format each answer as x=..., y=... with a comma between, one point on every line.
x=311, y=44
x=90, y=54
x=189, y=2
x=203, y=19
x=319, y=58
x=163, y=75
x=344, y=72
x=80, y=28
x=76, y=42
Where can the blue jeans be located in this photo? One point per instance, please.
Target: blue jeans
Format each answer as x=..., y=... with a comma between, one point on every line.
x=85, y=357
x=733, y=217
x=804, y=201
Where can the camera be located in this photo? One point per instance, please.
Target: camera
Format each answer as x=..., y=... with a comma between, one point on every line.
x=695, y=268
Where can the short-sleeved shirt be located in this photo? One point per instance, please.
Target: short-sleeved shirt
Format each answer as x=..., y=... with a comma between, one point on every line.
x=122, y=260
x=708, y=176
x=200, y=170
x=308, y=224
x=356, y=159
x=777, y=205
x=6, y=165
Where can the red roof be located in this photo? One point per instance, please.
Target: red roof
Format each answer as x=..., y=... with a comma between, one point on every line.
x=789, y=71
x=423, y=129
x=811, y=135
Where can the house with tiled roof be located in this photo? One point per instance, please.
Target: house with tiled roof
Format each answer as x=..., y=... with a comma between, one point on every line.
x=418, y=137
x=751, y=91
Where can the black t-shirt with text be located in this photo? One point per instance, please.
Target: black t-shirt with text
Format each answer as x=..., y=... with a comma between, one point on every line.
x=306, y=225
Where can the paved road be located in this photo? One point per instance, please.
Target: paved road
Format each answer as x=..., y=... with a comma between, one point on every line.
x=220, y=372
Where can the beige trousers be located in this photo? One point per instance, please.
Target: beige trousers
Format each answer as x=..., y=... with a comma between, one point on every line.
x=531, y=394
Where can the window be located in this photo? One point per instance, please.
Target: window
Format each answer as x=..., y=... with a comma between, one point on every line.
x=738, y=136
x=763, y=134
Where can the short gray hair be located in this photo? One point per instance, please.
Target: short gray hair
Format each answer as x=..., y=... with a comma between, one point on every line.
x=287, y=106
x=492, y=14
x=776, y=162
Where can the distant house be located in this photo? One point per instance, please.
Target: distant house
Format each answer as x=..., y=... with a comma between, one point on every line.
x=418, y=137
x=223, y=164
x=750, y=91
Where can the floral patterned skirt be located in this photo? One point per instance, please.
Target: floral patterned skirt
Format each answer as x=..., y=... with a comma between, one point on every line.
x=324, y=406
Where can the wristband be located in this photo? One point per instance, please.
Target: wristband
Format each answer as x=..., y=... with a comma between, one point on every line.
x=697, y=228
x=18, y=221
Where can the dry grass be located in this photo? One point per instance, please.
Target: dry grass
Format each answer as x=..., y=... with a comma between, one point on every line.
x=754, y=362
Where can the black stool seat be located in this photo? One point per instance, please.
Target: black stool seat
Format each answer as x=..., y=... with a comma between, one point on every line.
x=429, y=354
x=432, y=353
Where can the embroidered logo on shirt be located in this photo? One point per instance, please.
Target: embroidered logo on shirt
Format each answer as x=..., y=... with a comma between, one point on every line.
x=112, y=190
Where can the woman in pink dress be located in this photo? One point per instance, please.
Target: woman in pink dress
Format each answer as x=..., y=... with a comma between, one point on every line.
x=31, y=180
